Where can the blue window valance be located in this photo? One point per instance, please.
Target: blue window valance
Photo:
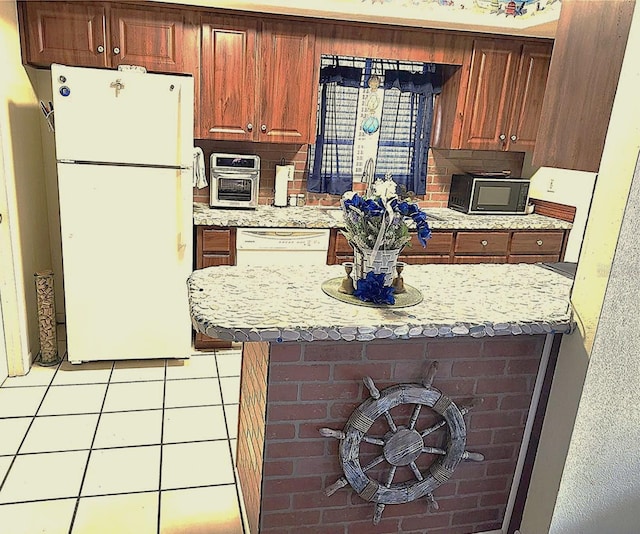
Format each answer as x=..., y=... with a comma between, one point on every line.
x=405, y=125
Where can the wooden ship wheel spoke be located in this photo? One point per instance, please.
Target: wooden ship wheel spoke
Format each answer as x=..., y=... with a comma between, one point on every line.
x=401, y=445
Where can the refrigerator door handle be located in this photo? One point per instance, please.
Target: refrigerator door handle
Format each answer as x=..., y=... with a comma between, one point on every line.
x=182, y=244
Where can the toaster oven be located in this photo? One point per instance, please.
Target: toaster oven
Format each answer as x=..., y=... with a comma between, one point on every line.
x=234, y=181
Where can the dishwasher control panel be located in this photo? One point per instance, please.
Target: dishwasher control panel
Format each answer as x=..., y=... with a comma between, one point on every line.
x=290, y=239
x=281, y=246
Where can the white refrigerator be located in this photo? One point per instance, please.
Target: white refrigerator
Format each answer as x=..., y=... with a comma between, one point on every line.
x=124, y=150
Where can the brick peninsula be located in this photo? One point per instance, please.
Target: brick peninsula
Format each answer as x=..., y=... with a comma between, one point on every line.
x=493, y=330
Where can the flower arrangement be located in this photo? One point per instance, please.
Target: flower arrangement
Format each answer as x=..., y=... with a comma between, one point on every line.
x=378, y=221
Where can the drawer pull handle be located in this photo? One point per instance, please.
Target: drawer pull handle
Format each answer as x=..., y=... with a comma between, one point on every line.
x=539, y=242
x=484, y=242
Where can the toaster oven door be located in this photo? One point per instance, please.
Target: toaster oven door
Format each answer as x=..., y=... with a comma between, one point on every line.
x=235, y=187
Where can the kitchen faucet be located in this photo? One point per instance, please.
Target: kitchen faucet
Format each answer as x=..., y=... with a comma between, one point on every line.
x=368, y=176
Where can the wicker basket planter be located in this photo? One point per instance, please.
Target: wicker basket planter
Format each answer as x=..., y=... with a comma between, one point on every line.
x=384, y=261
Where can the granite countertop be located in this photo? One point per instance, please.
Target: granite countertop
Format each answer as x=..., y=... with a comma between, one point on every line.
x=320, y=217
x=288, y=304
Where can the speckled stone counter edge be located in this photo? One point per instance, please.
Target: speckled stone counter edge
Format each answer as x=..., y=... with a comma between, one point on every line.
x=315, y=217
x=363, y=334
x=275, y=305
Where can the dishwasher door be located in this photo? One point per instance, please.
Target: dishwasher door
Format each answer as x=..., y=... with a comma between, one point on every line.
x=281, y=246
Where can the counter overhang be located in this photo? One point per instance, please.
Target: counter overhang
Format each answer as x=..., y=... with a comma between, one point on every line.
x=286, y=303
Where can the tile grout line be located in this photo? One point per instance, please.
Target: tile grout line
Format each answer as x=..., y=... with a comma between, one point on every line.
x=226, y=426
x=93, y=440
x=33, y=418
x=164, y=398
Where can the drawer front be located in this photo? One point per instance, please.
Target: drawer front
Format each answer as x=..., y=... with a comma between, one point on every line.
x=440, y=243
x=489, y=243
x=214, y=260
x=536, y=242
x=342, y=245
x=533, y=258
x=480, y=259
x=214, y=240
x=424, y=259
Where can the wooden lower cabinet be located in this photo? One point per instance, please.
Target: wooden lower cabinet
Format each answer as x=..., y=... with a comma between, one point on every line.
x=479, y=259
x=438, y=249
x=458, y=246
x=215, y=246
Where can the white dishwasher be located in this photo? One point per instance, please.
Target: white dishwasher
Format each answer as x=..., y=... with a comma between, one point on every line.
x=281, y=246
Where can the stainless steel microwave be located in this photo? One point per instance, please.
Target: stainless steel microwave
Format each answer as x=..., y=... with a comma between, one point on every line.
x=490, y=194
x=234, y=181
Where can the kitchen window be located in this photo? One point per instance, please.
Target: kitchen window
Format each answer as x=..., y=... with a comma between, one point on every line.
x=374, y=118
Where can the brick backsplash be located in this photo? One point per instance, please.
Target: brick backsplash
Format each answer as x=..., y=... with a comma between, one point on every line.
x=442, y=164
x=309, y=386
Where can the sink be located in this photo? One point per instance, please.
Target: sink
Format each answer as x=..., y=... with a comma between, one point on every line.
x=336, y=213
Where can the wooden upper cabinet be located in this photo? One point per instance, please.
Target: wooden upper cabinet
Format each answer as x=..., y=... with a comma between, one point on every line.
x=531, y=83
x=590, y=43
x=70, y=33
x=288, y=90
x=493, y=69
x=257, y=80
x=505, y=92
x=228, y=78
x=95, y=34
x=148, y=37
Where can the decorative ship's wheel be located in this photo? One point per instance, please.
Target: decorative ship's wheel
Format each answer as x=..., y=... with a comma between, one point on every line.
x=401, y=445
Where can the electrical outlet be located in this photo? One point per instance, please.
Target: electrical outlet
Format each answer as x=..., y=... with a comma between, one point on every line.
x=551, y=186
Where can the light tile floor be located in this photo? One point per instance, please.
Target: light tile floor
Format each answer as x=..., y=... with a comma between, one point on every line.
x=122, y=447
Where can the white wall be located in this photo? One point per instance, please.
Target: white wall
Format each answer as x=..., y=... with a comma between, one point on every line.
x=573, y=188
x=22, y=189
x=585, y=480
x=5, y=246
x=42, y=79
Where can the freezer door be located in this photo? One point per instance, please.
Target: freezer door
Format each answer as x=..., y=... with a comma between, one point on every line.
x=126, y=261
x=104, y=115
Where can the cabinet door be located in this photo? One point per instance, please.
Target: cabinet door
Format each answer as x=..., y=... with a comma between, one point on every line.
x=585, y=69
x=288, y=87
x=152, y=38
x=228, y=78
x=529, y=94
x=493, y=69
x=67, y=33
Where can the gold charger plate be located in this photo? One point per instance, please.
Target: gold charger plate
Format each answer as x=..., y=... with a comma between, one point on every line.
x=410, y=297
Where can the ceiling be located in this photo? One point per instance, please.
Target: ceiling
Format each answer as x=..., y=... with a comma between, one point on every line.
x=534, y=18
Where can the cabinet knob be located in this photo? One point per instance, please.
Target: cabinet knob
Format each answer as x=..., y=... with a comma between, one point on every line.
x=116, y=50
x=263, y=128
x=513, y=138
x=100, y=49
x=539, y=242
x=484, y=242
x=502, y=137
x=250, y=127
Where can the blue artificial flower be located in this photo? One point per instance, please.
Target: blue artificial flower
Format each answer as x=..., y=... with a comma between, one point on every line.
x=365, y=218
x=373, y=208
x=372, y=289
x=424, y=233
